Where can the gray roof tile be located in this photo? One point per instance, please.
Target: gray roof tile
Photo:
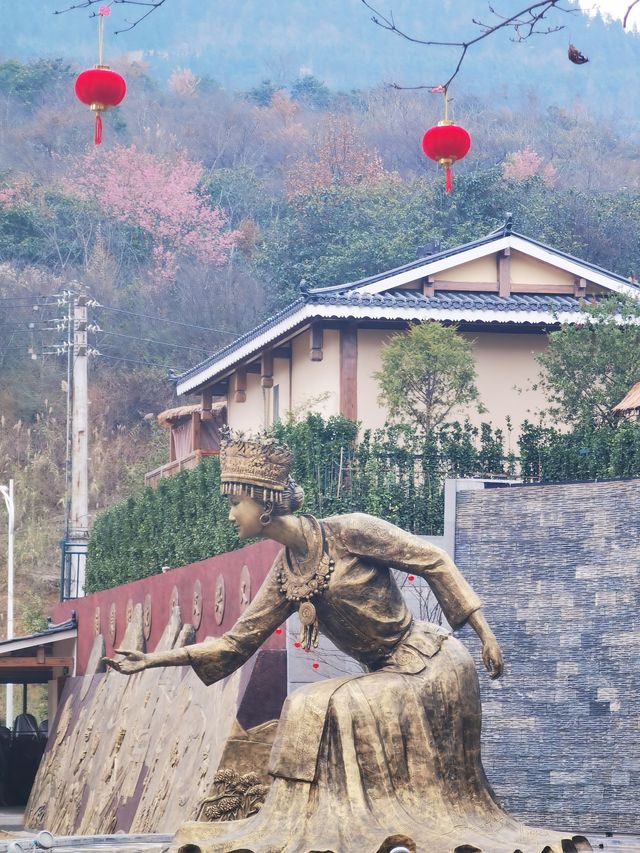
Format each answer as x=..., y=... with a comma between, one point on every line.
x=452, y=300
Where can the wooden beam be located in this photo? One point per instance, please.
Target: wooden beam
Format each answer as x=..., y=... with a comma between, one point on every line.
x=316, y=343
x=465, y=286
x=34, y=663
x=282, y=352
x=172, y=447
x=504, y=273
x=520, y=287
x=349, y=371
x=428, y=286
x=195, y=431
x=580, y=287
x=240, y=392
x=207, y=401
x=266, y=369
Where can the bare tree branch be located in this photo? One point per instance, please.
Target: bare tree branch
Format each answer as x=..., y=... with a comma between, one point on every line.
x=525, y=23
x=150, y=5
x=628, y=12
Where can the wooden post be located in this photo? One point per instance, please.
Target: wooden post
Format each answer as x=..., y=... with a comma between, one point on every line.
x=349, y=371
x=195, y=431
x=580, y=288
x=504, y=273
x=316, y=343
x=266, y=369
x=207, y=401
x=240, y=394
x=428, y=286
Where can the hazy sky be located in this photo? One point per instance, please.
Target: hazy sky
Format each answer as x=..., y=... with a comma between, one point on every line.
x=615, y=8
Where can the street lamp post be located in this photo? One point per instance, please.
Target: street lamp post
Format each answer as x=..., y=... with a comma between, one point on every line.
x=7, y=494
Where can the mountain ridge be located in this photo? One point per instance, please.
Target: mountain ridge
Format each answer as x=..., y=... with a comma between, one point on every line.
x=240, y=44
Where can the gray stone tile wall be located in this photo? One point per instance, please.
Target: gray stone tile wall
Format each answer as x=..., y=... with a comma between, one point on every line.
x=558, y=567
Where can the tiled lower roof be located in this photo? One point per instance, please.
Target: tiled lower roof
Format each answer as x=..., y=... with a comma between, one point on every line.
x=454, y=300
x=401, y=305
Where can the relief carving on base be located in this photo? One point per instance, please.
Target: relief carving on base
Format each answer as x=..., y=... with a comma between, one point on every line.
x=112, y=623
x=196, y=611
x=146, y=616
x=220, y=598
x=232, y=797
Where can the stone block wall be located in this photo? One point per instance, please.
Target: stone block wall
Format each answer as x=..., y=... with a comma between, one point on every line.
x=558, y=567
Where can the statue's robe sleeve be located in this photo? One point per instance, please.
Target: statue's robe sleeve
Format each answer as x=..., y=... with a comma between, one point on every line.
x=218, y=657
x=378, y=541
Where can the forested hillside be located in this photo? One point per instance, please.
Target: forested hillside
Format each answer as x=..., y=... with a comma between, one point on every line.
x=205, y=208
x=237, y=43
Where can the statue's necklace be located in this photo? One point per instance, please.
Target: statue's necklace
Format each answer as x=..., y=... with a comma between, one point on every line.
x=297, y=585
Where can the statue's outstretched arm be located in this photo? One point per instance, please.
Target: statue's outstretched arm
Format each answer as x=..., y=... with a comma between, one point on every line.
x=383, y=543
x=218, y=657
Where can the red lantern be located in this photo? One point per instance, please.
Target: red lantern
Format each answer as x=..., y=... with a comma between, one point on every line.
x=446, y=143
x=100, y=88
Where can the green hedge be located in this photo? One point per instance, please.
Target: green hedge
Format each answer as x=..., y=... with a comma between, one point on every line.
x=183, y=520
x=609, y=452
x=391, y=473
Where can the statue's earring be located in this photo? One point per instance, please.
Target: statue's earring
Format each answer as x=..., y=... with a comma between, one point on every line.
x=265, y=518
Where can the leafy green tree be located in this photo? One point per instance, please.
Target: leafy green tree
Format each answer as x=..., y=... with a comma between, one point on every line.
x=426, y=373
x=262, y=94
x=589, y=367
x=32, y=82
x=240, y=193
x=341, y=234
x=311, y=92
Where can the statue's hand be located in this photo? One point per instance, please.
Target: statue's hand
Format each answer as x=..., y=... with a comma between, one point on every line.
x=492, y=657
x=130, y=662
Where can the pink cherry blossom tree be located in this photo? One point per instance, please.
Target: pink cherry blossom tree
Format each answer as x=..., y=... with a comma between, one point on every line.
x=159, y=194
x=524, y=164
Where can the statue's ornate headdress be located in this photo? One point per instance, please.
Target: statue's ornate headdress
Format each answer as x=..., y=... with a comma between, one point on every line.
x=251, y=465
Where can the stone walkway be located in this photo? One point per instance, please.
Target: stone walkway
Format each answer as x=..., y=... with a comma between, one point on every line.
x=11, y=819
x=11, y=827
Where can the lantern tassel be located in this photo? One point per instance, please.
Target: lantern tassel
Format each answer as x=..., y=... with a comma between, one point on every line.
x=448, y=179
x=98, y=133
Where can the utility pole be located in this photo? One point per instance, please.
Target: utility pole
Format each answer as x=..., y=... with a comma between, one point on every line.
x=7, y=494
x=78, y=532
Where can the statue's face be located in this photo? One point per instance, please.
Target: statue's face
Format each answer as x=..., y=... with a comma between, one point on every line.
x=245, y=513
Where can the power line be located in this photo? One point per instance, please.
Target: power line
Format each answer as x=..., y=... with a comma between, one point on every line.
x=29, y=300
x=106, y=332
x=166, y=320
x=135, y=361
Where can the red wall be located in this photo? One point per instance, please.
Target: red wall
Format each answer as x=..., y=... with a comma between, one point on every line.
x=258, y=559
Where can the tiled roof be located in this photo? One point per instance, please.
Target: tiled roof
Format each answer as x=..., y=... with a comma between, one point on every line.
x=404, y=305
x=452, y=300
x=243, y=339
x=360, y=297
x=39, y=637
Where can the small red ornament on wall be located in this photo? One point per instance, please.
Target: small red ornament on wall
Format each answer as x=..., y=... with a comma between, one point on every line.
x=100, y=87
x=446, y=142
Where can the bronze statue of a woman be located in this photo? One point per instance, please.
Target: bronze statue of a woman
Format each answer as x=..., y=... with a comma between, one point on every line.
x=393, y=752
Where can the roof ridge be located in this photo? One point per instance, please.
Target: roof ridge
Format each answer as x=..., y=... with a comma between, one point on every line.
x=493, y=236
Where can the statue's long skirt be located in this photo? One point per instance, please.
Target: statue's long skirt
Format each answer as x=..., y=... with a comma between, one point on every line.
x=399, y=758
